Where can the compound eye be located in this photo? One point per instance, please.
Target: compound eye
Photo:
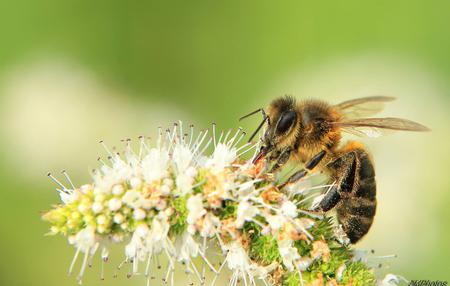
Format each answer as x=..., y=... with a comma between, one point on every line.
x=285, y=122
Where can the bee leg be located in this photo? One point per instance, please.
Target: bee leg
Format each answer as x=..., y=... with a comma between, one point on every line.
x=273, y=156
x=343, y=186
x=282, y=158
x=308, y=167
x=329, y=201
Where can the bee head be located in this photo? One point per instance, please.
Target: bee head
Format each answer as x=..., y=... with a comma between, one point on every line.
x=282, y=120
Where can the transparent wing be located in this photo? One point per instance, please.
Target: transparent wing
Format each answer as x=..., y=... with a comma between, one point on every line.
x=363, y=107
x=375, y=127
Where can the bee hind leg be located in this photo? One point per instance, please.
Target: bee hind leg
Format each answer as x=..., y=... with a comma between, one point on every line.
x=329, y=201
x=345, y=182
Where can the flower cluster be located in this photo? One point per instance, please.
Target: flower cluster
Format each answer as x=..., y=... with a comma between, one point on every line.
x=178, y=199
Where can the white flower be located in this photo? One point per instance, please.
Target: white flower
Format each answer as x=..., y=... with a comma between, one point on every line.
x=186, y=247
x=158, y=233
x=83, y=207
x=147, y=240
x=101, y=219
x=191, y=172
x=97, y=207
x=245, y=212
x=195, y=208
x=117, y=190
x=289, y=209
x=184, y=183
x=136, y=248
x=154, y=164
x=237, y=258
x=99, y=197
x=288, y=253
x=114, y=204
x=118, y=218
x=133, y=198
x=85, y=241
x=130, y=249
x=85, y=188
x=168, y=182
x=261, y=272
x=142, y=230
x=182, y=157
x=135, y=182
x=275, y=221
x=139, y=214
x=68, y=198
x=147, y=204
x=222, y=157
x=85, y=238
x=242, y=267
x=165, y=190
x=121, y=171
x=246, y=189
x=210, y=224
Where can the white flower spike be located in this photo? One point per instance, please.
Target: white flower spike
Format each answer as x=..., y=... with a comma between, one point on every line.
x=174, y=200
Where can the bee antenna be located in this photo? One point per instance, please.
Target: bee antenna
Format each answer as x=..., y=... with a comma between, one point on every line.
x=257, y=129
x=251, y=113
x=265, y=118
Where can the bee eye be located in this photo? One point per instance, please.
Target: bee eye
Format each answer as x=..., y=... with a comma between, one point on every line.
x=286, y=120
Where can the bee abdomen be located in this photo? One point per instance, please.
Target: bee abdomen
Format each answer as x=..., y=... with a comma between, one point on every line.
x=357, y=211
x=355, y=226
x=366, y=187
x=359, y=207
x=366, y=169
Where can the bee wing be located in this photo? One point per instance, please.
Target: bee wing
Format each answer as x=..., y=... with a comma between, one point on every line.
x=363, y=107
x=375, y=127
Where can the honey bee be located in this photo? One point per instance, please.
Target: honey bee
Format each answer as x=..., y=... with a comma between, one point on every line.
x=310, y=132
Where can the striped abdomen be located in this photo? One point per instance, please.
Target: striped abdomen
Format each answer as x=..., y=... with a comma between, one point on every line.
x=357, y=208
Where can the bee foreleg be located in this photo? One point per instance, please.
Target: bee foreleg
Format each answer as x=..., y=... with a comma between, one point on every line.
x=311, y=164
x=282, y=159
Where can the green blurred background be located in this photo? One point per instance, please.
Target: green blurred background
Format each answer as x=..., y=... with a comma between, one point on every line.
x=74, y=72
